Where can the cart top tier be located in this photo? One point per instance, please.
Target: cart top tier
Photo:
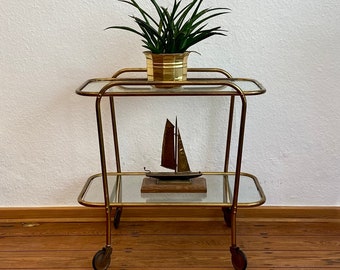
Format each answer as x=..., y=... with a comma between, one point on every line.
x=200, y=82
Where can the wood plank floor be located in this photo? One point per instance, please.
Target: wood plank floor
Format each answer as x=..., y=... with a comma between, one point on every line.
x=192, y=245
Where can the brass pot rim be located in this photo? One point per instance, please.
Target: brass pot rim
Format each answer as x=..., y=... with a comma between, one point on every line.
x=183, y=53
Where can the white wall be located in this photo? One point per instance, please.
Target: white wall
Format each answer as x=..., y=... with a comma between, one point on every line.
x=49, y=145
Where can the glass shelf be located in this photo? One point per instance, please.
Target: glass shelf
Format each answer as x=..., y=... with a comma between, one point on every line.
x=125, y=190
x=132, y=84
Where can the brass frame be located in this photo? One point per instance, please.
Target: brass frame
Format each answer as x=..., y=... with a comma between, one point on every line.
x=118, y=86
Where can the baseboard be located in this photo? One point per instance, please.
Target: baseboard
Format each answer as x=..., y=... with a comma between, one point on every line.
x=85, y=214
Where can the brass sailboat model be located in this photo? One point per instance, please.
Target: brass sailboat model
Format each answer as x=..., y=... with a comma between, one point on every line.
x=173, y=157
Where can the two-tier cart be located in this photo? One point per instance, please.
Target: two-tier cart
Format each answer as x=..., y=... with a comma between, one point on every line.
x=226, y=189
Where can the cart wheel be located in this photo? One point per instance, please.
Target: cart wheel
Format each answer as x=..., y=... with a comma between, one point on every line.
x=227, y=215
x=238, y=258
x=116, y=220
x=102, y=259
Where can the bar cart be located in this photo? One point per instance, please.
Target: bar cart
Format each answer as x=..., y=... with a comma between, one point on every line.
x=227, y=189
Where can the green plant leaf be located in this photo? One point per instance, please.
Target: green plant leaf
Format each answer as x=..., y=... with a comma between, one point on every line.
x=176, y=29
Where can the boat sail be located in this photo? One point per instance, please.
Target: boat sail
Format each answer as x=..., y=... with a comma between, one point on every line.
x=173, y=156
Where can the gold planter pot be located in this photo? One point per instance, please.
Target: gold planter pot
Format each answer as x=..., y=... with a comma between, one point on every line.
x=167, y=67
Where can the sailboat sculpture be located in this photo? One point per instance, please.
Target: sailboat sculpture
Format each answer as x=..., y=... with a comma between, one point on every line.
x=173, y=157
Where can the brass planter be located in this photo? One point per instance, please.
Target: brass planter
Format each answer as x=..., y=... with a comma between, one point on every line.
x=167, y=67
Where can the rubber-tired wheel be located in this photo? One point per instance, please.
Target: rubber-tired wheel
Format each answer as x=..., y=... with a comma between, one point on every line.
x=238, y=258
x=116, y=220
x=102, y=259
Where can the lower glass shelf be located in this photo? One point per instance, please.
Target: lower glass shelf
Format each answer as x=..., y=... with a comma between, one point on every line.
x=125, y=190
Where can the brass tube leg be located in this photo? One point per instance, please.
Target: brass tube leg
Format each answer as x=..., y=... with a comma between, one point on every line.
x=104, y=170
x=238, y=169
x=115, y=135
x=239, y=259
x=229, y=133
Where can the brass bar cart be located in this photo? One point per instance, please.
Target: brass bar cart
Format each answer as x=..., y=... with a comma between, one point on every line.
x=227, y=190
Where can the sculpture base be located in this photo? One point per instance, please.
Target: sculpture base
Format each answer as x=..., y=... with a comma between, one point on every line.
x=153, y=185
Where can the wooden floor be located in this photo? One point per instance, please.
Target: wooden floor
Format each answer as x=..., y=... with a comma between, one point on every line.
x=193, y=245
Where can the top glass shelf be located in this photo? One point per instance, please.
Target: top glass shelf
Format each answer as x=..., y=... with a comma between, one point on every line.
x=200, y=82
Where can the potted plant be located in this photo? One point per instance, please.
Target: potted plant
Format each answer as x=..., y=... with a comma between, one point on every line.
x=169, y=36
